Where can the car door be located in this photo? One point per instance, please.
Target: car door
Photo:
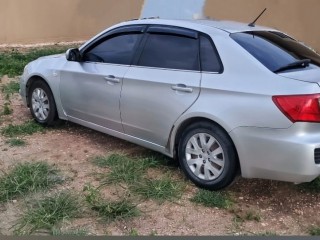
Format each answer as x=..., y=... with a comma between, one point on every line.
x=162, y=83
x=90, y=89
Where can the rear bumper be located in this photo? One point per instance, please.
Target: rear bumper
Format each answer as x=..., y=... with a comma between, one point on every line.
x=279, y=154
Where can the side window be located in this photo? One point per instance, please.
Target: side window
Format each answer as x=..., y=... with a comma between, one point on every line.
x=210, y=61
x=170, y=51
x=118, y=49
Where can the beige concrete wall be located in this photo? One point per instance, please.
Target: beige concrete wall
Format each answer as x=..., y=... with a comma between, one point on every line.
x=299, y=18
x=35, y=21
x=38, y=21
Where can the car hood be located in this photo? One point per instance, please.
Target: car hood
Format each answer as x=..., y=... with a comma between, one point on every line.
x=309, y=75
x=52, y=56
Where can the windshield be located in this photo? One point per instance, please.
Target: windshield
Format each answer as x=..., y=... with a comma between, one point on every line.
x=275, y=50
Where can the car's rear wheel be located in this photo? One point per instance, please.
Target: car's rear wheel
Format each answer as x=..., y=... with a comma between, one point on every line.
x=207, y=156
x=42, y=104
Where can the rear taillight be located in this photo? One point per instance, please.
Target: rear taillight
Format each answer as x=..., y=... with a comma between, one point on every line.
x=299, y=108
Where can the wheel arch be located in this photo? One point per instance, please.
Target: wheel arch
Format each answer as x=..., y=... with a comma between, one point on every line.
x=29, y=83
x=177, y=133
x=57, y=102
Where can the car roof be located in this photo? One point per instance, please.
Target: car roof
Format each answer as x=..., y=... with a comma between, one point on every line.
x=202, y=25
x=227, y=26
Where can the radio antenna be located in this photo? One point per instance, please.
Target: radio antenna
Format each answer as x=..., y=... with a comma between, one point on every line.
x=253, y=24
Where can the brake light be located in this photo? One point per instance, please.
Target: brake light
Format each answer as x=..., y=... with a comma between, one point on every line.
x=299, y=108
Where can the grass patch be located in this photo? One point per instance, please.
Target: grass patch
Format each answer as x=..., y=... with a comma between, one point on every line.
x=159, y=189
x=252, y=216
x=26, y=178
x=116, y=210
x=212, y=199
x=12, y=63
x=313, y=186
x=27, y=128
x=16, y=142
x=108, y=161
x=133, y=232
x=72, y=232
x=151, y=161
x=7, y=110
x=110, y=210
x=126, y=172
x=46, y=213
x=11, y=88
x=241, y=216
x=125, y=169
x=314, y=231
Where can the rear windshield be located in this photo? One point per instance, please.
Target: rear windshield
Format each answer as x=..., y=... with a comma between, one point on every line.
x=275, y=50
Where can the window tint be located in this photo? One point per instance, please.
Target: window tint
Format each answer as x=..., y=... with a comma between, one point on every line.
x=274, y=50
x=170, y=51
x=210, y=61
x=118, y=50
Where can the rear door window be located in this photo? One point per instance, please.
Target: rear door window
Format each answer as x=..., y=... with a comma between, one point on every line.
x=170, y=51
x=210, y=60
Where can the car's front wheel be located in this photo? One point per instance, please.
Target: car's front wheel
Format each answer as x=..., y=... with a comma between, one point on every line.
x=207, y=156
x=42, y=104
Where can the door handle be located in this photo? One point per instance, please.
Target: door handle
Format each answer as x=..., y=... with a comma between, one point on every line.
x=182, y=88
x=112, y=79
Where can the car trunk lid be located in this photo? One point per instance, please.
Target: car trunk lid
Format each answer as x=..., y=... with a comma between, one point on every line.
x=312, y=75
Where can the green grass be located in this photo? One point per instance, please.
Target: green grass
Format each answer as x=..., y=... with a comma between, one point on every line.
x=6, y=109
x=252, y=216
x=241, y=216
x=313, y=186
x=27, y=128
x=72, y=232
x=12, y=63
x=16, y=142
x=11, y=88
x=212, y=199
x=151, y=161
x=126, y=172
x=48, y=212
x=108, y=161
x=314, y=231
x=116, y=210
x=110, y=210
x=133, y=232
x=125, y=169
x=159, y=189
x=25, y=178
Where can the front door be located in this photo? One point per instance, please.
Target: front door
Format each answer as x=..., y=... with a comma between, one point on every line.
x=90, y=89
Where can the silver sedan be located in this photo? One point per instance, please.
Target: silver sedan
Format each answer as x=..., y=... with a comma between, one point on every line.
x=221, y=97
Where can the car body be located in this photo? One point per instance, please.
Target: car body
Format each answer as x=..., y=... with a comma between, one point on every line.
x=182, y=87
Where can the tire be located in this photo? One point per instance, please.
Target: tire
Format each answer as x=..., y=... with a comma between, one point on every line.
x=42, y=105
x=207, y=156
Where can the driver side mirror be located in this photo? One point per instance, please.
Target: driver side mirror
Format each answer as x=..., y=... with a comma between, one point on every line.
x=73, y=55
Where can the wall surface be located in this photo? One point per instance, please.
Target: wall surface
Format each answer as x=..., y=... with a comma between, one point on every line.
x=34, y=21
x=176, y=9
x=298, y=18
x=39, y=21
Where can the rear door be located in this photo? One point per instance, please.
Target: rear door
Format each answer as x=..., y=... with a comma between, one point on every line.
x=163, y=83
